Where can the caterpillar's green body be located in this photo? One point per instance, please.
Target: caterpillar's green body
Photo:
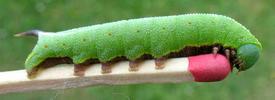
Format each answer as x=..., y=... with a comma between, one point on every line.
x=156, y=36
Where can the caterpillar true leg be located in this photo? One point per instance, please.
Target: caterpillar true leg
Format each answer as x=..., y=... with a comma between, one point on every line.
x=233, y=52
x=106, y=68
x=227, y=53
x=237, y=61
x=159, y=62
x=241, y=63
x=215, y=50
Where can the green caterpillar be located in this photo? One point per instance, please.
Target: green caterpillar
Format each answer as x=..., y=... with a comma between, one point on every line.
x=154, y=36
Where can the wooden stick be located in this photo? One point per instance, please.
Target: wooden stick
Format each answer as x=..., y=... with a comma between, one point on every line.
x=61, y=76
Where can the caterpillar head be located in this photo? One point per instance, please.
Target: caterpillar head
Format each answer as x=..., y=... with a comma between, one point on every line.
x=248, y=55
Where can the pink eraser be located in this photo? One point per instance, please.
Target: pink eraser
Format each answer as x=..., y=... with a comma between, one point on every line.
x=209, y=67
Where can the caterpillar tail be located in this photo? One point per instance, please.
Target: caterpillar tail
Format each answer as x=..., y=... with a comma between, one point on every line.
x=33, y=33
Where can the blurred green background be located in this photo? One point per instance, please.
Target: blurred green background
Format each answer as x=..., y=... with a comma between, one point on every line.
x=56, y=15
